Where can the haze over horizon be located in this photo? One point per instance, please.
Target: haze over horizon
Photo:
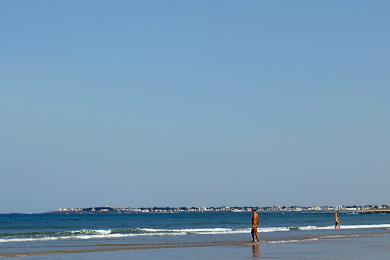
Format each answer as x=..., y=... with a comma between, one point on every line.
x=193, y=103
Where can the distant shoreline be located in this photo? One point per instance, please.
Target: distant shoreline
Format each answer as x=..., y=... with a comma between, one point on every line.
x=226, y=212
x=384, y=209
x=295, y=209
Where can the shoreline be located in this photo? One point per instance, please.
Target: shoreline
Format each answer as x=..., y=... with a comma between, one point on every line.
x=203, y=212
x=123, y=247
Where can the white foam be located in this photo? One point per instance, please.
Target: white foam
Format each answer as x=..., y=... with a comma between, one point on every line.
x=345, y=227
x=198, y=231
x=273, y=229
x=308, y=228
x=215, y=230
x=92, y=231
x=292, y=241
x=84, y=237
x=189, y=230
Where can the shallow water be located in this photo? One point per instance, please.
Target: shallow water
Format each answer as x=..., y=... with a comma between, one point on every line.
x=370, y=247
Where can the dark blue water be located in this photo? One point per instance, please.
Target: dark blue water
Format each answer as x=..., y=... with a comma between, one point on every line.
x=15, y=228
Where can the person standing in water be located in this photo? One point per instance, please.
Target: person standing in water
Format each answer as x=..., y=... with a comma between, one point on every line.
x=336, y=220
x=255, y=224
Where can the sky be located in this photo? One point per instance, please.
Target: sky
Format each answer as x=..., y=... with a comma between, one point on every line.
x=193, y=103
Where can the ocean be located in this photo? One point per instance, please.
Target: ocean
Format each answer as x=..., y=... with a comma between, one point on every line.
x=42, y=234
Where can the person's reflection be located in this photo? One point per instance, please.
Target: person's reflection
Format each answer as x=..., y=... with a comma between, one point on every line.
x=256, y=250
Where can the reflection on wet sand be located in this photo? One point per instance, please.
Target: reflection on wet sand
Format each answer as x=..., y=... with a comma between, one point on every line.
x=256, y=250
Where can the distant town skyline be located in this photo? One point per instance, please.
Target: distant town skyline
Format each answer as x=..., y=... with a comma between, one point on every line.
x=130, y=210
x=193, y=103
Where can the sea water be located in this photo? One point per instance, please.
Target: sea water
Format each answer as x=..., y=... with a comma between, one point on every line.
x=26, y=233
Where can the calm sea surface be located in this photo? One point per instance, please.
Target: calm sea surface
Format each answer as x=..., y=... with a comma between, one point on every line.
x=123, y=235
x=20, y=229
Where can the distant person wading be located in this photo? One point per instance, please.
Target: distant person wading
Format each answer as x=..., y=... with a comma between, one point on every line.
x=336, y=220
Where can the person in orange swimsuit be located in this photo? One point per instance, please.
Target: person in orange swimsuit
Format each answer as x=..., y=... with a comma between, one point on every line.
x=255, y=224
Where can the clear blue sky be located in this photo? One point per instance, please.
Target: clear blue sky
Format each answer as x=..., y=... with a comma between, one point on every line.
x=169, y=103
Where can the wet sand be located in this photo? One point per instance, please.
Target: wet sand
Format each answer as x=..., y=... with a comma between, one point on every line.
x=353, y=247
